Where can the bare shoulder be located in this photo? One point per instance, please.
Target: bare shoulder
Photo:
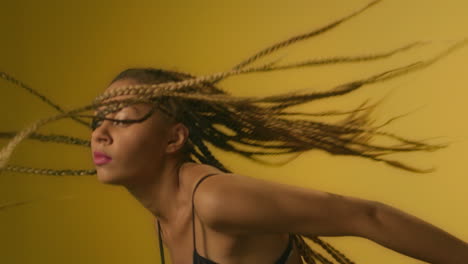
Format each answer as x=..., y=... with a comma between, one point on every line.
x=191, y=173
x=244, y=205
x=228, y=190
x=192, y=170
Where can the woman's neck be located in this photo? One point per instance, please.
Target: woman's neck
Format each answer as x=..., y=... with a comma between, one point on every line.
x=160, y=194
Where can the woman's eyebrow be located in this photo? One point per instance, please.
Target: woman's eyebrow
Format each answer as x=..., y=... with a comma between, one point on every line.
x=135, y=107
x=101, y=109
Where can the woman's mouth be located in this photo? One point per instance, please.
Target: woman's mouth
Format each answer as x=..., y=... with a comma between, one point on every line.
x=100, y=158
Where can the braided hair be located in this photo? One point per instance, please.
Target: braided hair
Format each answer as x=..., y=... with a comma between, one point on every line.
x=252, y=127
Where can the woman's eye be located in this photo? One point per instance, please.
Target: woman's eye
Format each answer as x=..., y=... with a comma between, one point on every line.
x=119, y=122
x=95, y=123
x=120, y=118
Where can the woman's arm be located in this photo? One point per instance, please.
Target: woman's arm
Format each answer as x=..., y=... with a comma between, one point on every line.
x=237, y=204
x=414, y=237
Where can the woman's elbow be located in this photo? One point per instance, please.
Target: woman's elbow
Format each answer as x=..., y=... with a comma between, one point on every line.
x=349, y=217
x=368, y=222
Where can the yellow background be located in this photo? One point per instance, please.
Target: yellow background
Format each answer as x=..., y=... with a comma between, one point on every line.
x=70, y=50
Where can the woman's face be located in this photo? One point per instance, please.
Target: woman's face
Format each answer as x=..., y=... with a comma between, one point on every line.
x=126, y=154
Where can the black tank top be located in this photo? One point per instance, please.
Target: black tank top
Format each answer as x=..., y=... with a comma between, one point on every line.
x=197, y=259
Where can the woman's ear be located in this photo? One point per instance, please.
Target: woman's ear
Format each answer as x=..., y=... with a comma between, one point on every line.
x=178, y=136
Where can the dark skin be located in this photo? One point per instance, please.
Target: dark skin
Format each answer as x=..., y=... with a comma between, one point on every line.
x=215, y=245
x=145, y=160
x=240, y=219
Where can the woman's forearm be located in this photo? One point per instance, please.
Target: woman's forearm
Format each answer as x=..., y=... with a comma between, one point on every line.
x=414, y=237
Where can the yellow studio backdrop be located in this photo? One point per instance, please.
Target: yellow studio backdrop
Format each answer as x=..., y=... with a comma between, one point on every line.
x=70, y=50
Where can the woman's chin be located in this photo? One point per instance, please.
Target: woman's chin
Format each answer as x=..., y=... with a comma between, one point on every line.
x=108, y=178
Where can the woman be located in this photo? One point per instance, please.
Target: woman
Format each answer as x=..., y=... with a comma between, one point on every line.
x=152, y=140
x=234, y=218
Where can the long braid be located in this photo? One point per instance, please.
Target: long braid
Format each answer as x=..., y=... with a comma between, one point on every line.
x=339, y=60
x=300, y=37
x=332, y=251
x=311, y=256
x=51, y=172
x=308, y=254
x=261, y=123
x=51, y=138
x=11, y=79
x=6, y=152
x=283, y=100
x=206, y=154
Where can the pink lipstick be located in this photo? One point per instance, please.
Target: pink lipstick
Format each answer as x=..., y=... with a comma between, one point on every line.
x=100, y=158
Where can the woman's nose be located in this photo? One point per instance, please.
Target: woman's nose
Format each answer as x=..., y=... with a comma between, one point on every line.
x=102, y=134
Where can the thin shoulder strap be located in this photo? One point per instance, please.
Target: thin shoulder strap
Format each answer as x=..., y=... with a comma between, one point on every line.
x=193, y=207
x=161, y=250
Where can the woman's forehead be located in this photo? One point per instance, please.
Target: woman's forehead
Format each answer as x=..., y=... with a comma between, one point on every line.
x=119, y=84
x=135, y=101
